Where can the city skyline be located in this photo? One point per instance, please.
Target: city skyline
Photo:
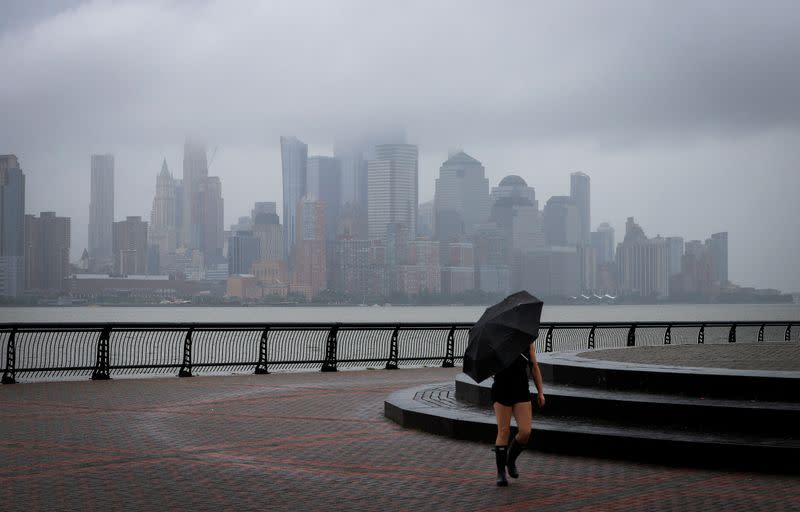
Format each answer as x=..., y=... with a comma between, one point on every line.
x=278, y=200
x=693, y=128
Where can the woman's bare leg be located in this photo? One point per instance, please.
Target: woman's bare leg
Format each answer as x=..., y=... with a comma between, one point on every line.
x=503, y=415
x=524, y=416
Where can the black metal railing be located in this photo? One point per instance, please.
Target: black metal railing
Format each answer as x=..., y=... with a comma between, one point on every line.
x=100, y=351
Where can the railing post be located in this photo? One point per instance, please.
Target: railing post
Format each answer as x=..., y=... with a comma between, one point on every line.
x=632, y=336
x=391, y=363
x=788, y=335
x=329, y=365
x=732, y=334
x=449, y=358
x=101, y=370
x=701, y=335
x=548, y=341
x=9, y=374
x=186, y=367
x=668, y=336
x=761, y=333
x=591, y=337
x=261, y=367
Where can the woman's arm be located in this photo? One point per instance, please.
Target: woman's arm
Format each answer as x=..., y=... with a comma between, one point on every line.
x=537, y=376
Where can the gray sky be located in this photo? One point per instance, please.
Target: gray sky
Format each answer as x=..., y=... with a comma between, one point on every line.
x=686, y=115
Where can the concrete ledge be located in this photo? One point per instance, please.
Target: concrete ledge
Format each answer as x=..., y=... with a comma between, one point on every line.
x=571, y=369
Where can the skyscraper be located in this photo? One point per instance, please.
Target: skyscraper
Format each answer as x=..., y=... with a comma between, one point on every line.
x=461, y=198
x=180, y=203
x=267, y=228
x=551, y=272
x=642, y=263
x=163, y=231
x=310, y=271
x=294, y=161
x=392, y=181
x=675, y=244
x=12, y=227
x=195, y=173
x=323, y=183
x=603, y=243
x=354, y=153
x=354, y=172
x=561, y=222
x=515, y=211
x=491, y=258
x=213, y=220
x=425, y=219
x=579, y=191
x=47, y=243
x=719, y=253
x=130, y=246
x=101, y=209
x=263, y=207
x=244, y=249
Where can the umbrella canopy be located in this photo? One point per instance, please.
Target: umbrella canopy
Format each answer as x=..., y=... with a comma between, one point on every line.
x=501, y=334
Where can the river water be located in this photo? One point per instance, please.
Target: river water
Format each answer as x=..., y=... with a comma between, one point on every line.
x=381, y=314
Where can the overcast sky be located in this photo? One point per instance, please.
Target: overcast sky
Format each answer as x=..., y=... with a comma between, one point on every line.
x=686, y=115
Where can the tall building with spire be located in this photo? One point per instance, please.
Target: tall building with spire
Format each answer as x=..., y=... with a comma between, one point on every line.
x=294, y=161
x=101, y=209
x=163, y=229
x=12, y=226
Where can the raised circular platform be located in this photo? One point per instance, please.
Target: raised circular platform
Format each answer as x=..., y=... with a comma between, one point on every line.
x=619, y=403
x=721, y=371
x=783, y=357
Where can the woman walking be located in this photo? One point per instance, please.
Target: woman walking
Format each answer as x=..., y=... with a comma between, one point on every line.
x=511, y=395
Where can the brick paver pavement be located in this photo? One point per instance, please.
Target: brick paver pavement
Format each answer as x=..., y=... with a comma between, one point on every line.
x=306, y=441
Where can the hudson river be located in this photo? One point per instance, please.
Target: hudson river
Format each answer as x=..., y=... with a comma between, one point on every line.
x=300, y=314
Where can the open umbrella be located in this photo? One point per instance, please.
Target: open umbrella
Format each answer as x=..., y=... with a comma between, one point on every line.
x=501, y=334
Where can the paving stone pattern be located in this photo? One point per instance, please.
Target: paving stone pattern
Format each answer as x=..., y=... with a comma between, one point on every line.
x=306, y=442
x=736, y=356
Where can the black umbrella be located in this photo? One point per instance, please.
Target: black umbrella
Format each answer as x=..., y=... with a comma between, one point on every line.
x=501, y=334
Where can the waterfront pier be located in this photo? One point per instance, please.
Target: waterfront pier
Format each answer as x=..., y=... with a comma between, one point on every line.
x=313, y=440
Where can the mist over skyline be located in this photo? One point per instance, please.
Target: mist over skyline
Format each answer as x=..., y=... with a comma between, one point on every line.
x=686, y=116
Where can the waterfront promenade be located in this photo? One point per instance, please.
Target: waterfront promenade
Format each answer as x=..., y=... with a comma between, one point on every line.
x=306, y=441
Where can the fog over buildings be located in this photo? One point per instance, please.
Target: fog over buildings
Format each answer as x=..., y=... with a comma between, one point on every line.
x=685, y=117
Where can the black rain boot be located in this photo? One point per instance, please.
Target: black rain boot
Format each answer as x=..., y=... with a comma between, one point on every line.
x=514, y=449
x=500, y=458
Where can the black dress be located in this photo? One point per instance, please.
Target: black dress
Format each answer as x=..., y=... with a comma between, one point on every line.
x=511, y=385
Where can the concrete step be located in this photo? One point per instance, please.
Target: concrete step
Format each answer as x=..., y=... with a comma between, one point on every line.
x=630, y=408
x=432, y=408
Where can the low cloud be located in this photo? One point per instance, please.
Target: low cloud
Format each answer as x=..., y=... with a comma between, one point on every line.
x=530, y=87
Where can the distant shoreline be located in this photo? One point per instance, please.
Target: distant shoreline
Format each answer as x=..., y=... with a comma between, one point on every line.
x=358, y=306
